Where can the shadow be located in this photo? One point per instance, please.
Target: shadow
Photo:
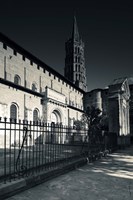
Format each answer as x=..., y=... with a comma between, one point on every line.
x=119, y=164
x=109, y=178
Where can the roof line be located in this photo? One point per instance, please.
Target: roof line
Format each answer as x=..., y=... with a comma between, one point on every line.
x=36, y=60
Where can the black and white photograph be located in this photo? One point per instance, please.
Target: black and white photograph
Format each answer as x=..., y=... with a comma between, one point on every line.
x=66, y=100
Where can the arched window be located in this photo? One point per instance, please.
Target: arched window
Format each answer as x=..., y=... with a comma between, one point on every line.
x=17, y=80
x=35, y=115
x=34, y=87
x=13, y=111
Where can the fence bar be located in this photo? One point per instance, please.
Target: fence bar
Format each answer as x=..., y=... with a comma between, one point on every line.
x=39, y=143
x=10, y=151
x=31, y=147
x=5, y=120
x=19, y=145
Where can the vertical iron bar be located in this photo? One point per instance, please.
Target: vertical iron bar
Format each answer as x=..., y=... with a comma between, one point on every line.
x=53, y=146
x=57, y=151
x=46, y=141
x=36, y=143
x=14, y=147
x=42, y=131
x=22, y=164
x=10, y=151
x=5, y=123
x=56, y=143
x=48, y=146
x=55, y=140
x=65, y=145
x=39, y=140
x=63, y=150
x=29, y=143
x=49, y=141
x=19, y=146
x=33, y=161
x=60, y=154
x=26, y=148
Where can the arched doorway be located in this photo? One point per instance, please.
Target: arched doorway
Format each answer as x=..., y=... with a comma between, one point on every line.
x=55, y=117
x=55, y=121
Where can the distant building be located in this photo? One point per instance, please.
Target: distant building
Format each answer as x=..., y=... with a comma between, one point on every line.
x=116, y=102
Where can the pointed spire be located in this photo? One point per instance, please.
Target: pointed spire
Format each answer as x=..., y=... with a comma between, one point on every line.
x=75, y=33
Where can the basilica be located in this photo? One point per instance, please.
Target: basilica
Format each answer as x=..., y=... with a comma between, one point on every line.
x=31, y=90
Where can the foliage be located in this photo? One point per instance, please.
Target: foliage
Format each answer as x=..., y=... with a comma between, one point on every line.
x=97, y=123
x=79, y=124
x=91, y=117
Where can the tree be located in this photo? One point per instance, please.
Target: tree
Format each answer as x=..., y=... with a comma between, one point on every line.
x=96, y=122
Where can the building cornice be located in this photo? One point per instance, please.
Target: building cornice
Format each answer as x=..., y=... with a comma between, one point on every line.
x=74, y=108
x=19, y=87
x=56, y=102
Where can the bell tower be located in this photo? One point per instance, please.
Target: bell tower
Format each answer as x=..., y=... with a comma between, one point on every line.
x=75, y=69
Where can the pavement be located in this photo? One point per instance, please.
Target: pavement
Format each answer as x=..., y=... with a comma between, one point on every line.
x=110, y=178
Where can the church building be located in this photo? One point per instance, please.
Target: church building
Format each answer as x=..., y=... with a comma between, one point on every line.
x=31, y=90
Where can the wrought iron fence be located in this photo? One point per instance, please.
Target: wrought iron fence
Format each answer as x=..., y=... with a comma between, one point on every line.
x=27, y=148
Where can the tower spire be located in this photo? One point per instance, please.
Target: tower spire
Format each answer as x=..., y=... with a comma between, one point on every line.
x=75, y=32
x=75, y=70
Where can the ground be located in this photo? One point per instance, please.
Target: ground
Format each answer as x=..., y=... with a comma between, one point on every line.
x=110, y=178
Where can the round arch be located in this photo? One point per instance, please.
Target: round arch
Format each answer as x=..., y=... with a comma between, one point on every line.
x=36, y=114
x=17, y=79
x=56, y=116
x=34, y=86
x=14, y=108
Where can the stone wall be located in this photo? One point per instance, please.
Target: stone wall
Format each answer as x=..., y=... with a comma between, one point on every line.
x=14, y=63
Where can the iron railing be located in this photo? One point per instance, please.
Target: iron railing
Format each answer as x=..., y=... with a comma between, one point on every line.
x=27, y=148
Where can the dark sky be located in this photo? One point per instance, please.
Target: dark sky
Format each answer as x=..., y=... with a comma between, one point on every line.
x=106, y=27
